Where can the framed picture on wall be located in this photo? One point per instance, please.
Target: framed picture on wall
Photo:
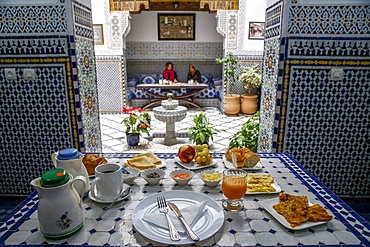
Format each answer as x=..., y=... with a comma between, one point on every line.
x=98, y=34
x=256, y=30
x=176, y=26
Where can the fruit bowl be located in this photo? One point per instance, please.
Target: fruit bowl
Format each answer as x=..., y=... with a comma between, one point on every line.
x=187, y=176
x=211, y=177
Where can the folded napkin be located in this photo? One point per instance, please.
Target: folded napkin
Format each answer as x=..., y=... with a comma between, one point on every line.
x=191, y=214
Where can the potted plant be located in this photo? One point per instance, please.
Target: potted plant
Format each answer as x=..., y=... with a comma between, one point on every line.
x=137, y=122
x=231, y=101
x=247, y=137
x=252, y=79
x=202, y=131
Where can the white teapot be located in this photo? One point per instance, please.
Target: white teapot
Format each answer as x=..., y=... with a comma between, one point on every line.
x=71, y=160
x=60, y=209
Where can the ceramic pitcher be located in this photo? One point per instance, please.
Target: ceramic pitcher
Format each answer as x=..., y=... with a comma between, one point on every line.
x=60, y=209
x=71, y=160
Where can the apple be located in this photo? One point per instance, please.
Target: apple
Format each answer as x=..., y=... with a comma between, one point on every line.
x=186, y=153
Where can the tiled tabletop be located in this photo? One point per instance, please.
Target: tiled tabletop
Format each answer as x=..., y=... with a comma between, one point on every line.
x=253, y=226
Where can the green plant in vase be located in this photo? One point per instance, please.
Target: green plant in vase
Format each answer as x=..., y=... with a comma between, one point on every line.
x=231, y=101
x=137, y=122
x=231, y=65
x=251, y=78
x=203, y=130
x=247, y=137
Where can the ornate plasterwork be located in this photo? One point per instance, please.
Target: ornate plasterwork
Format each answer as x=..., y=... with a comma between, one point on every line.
x=119, y=25
x=227, y=26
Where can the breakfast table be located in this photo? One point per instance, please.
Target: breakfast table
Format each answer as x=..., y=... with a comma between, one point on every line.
x=255, y=225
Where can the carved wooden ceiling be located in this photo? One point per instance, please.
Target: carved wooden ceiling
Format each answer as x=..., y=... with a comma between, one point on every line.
x=135, y=7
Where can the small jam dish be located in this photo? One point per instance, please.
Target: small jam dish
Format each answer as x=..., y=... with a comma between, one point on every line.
x=153, y=175
x=211, y=177
x=182, y=176
x=129, y=177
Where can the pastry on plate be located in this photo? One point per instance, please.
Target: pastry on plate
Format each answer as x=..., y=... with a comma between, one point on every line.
x=151, y=156
x=296, y=210
x=140, y=162
x=91, y=161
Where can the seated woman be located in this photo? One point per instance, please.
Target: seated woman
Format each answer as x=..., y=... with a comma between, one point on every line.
x=169, y=74
x=194, y=74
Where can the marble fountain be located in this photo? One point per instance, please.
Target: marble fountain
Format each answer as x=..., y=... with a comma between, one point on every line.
x=170, y=112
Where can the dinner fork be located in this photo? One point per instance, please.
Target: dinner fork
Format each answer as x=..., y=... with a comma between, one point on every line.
x=163, y=208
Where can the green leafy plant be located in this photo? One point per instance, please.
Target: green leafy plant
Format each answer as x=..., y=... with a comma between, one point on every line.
x=203, y=130
x=137, y=122
x=247, y=137
x=251, y=78
x=229, y=71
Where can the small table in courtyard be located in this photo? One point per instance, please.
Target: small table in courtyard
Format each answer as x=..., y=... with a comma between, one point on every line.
x=188, y=97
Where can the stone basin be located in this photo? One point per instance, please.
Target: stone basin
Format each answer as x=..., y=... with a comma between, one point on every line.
x=170, y=104
x=170, y=116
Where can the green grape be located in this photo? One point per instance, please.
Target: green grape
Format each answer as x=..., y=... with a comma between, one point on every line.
x=204, y=146
x=208, y=162
x=198, y=159
x=198, y=148
x=204, y=158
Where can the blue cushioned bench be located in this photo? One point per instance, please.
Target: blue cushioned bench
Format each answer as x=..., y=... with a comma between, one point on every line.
x=214, y=90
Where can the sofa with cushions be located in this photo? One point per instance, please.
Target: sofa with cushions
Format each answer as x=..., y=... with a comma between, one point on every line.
x=137, y=97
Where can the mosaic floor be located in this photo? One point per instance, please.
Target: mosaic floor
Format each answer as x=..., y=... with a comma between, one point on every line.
x=114, y=139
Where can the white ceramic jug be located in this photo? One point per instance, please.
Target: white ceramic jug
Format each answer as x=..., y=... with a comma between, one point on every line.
x=60, y=209
x=71, y=160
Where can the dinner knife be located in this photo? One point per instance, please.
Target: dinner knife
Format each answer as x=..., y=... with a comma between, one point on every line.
x=175, y=209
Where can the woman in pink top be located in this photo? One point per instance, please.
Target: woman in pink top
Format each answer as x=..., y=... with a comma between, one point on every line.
x=169, y=74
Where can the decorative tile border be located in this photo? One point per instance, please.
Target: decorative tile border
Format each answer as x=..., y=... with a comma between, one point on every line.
x=329, y=20
x=28, y=19
x=273, y=20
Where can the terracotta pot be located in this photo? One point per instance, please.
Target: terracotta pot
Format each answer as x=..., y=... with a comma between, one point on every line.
x=231, y=104
x=249, y=104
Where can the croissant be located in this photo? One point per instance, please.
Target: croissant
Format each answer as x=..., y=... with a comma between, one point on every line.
x=91, y=161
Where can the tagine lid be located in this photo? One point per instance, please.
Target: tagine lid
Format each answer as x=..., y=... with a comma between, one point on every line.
x=54, y=177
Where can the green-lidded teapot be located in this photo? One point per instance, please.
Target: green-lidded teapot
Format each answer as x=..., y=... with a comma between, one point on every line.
x=60, y=209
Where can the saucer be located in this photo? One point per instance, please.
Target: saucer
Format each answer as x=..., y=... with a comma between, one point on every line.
x=100, y=200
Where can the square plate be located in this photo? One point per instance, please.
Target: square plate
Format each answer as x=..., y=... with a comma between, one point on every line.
x=230, y=165
x=267, y=204
x=193, y=165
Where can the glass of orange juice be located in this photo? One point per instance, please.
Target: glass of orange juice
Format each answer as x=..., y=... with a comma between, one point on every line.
x=234, y=187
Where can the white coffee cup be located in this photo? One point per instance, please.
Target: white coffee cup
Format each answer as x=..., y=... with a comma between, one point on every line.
x=107, y=183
